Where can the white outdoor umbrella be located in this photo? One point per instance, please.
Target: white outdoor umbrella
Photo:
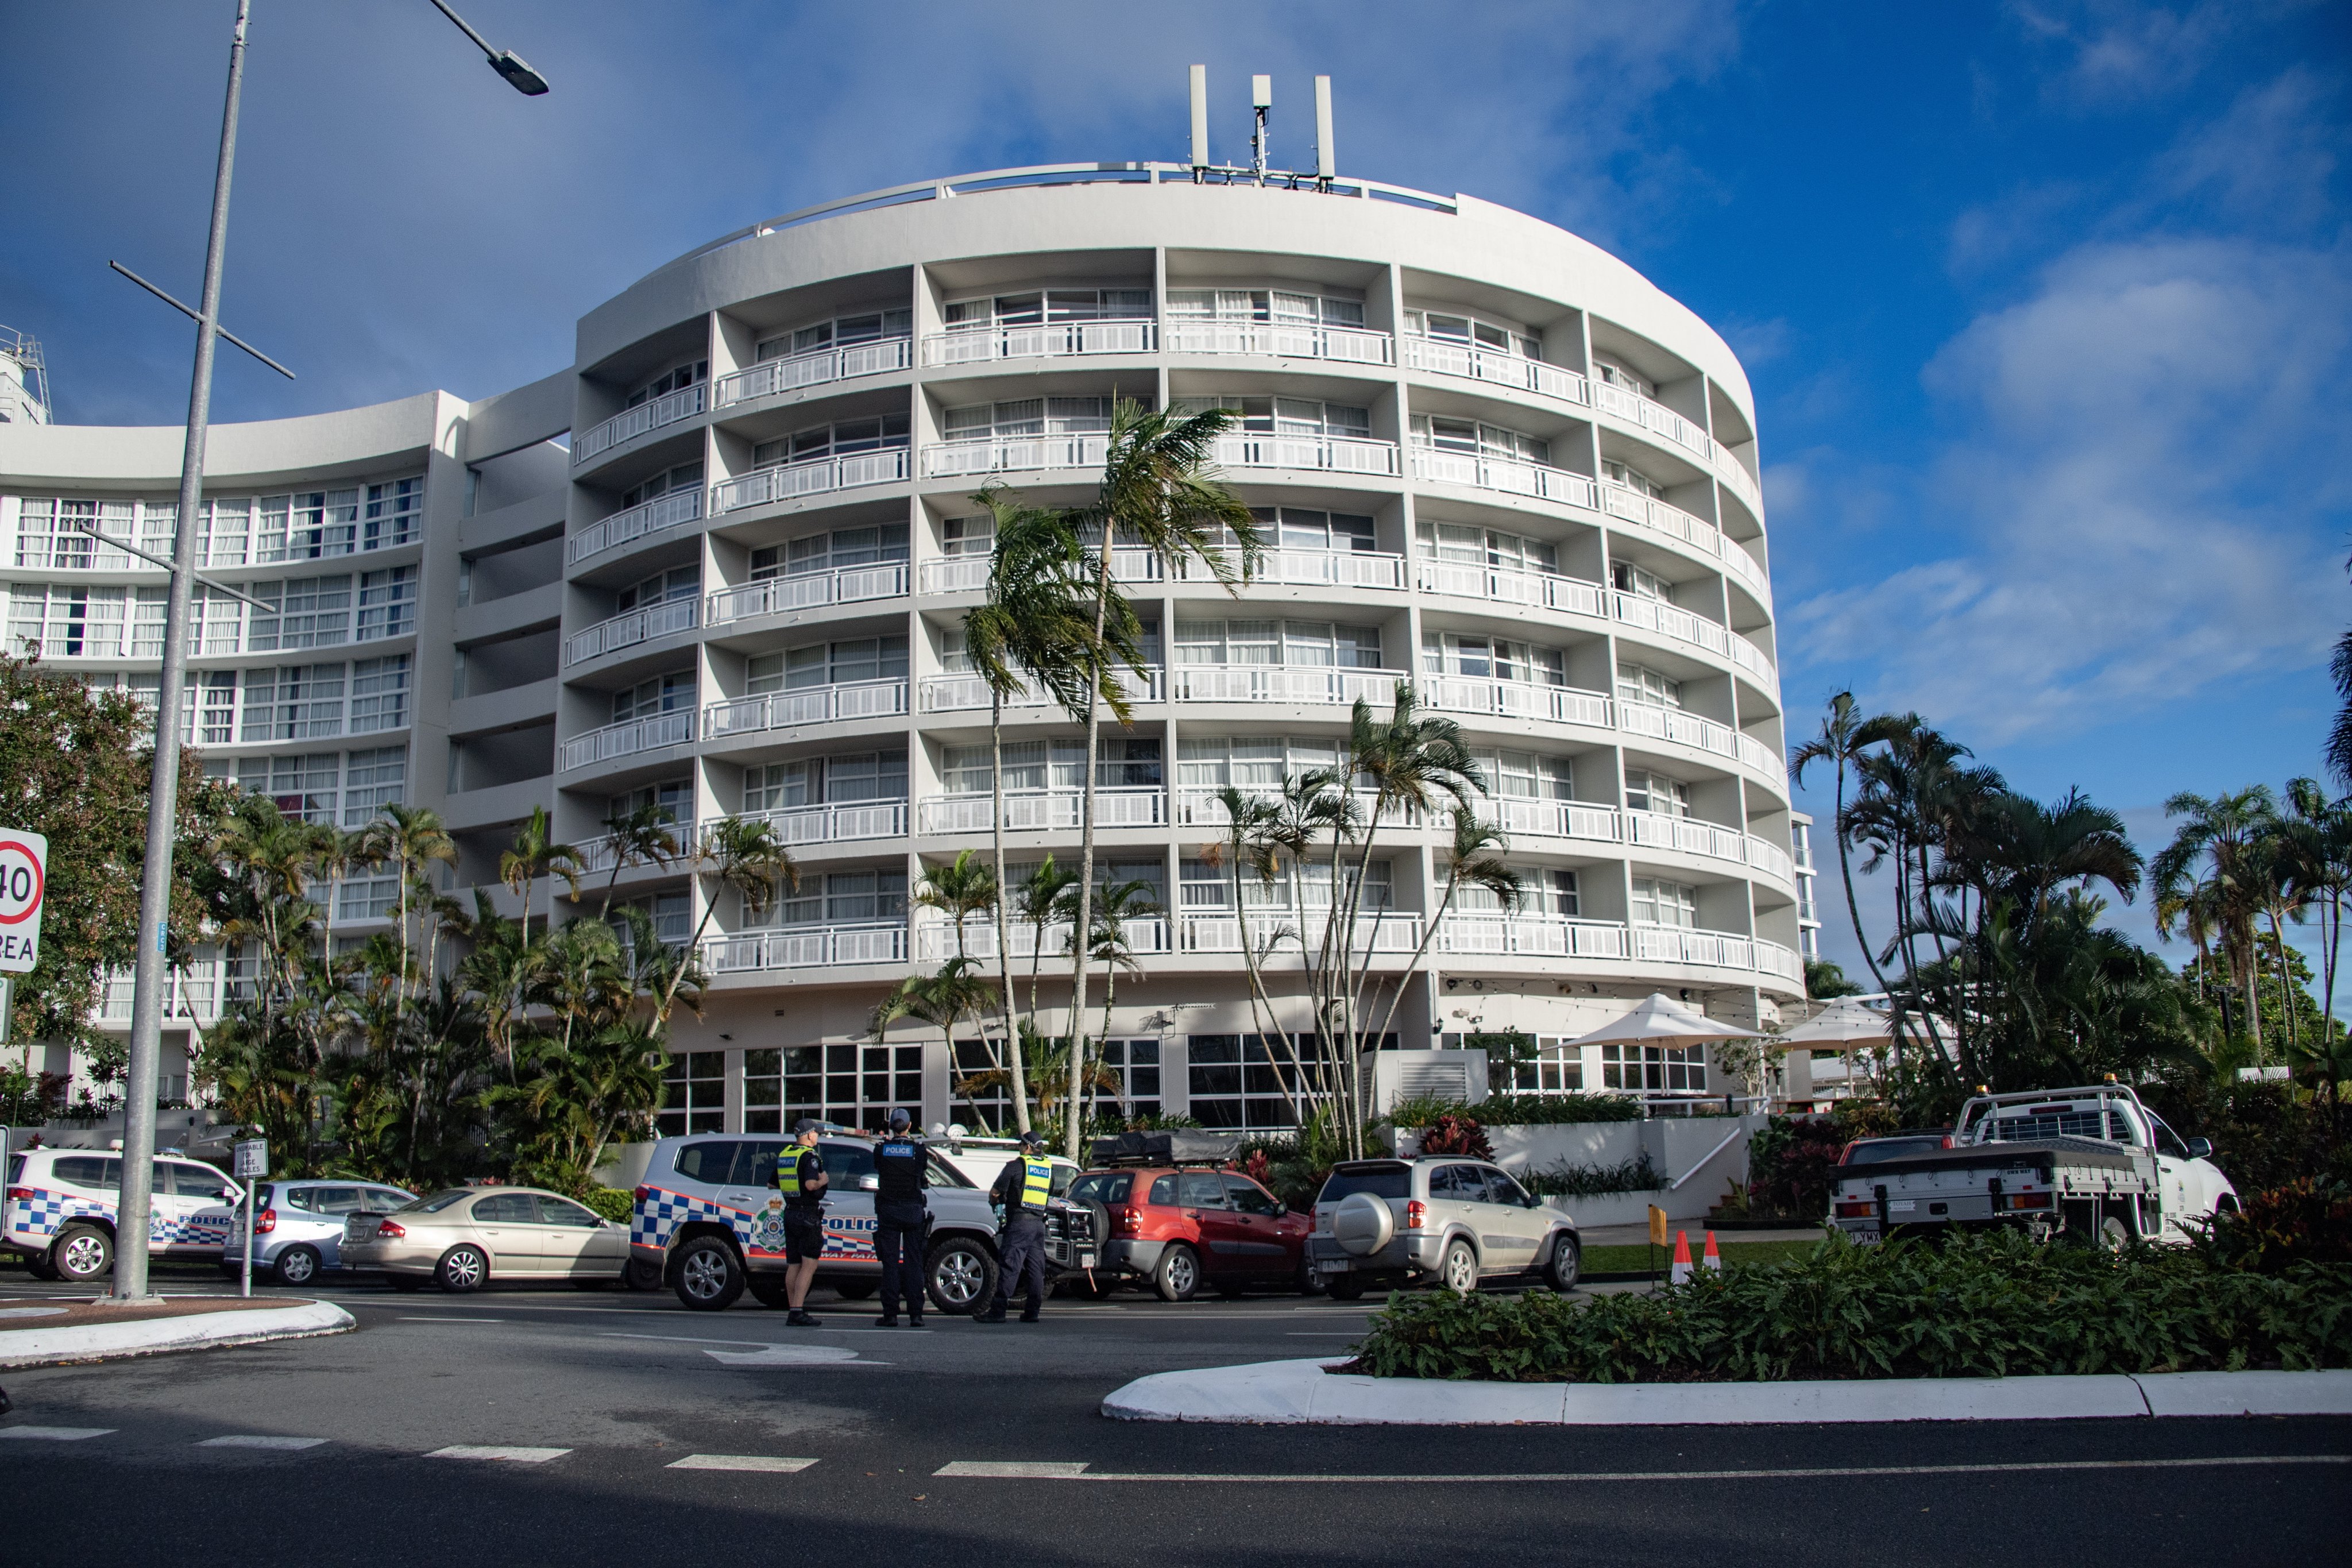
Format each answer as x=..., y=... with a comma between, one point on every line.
x=1660, y=1020
x=1843, y=1023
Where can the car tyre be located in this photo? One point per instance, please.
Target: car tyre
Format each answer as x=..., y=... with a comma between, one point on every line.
x=856, y=1289
x=1306, y=1283
x=769, y=1293
x=1565, y=1264
x=1177, y=1276
x=298, y=1266
x=959, y=1274
x=83, y=1252
x=1345, y=1287
x=1459, y=1272
x=709, y=1277
x=462, y=1269
x=641, y=1275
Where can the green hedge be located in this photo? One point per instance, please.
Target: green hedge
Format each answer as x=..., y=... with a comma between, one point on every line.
x=1986, y=1306
x=1412, y=1114
x=612, y=1203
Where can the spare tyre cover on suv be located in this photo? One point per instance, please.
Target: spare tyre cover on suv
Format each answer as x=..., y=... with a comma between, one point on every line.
x=1363, y=1224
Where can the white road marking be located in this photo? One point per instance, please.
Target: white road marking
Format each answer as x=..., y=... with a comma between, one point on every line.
x=55, y=1434
x=682, y=1339
x=1310, y=1335
x=34, y=1311
x=740, y=1462
x=259, y=1440
x=792, y=1355
x=518, y=1456
x=439, y=1320
x=1054, y=1471
x=1016, y=1470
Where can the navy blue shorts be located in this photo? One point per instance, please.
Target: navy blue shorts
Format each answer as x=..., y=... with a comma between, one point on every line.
x=804, y=1235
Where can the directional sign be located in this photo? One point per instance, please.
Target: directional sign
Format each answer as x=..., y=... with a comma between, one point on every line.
x=24, y=878
x=251, y=1157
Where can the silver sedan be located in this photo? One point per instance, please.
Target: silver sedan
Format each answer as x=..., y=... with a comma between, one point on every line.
x=463, y=1238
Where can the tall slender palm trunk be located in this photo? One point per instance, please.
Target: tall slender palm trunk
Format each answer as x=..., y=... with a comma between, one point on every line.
x=1003, y=933
x=1081, y=948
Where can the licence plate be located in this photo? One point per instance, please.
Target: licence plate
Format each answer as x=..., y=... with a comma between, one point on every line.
x=1867, y=1238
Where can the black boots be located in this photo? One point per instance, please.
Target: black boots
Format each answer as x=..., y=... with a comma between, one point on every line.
x=801, y=1320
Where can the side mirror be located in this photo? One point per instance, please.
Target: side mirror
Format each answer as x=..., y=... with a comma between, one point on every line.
x=1280, y=1208
x=2201, y=1147
x=869, y=1183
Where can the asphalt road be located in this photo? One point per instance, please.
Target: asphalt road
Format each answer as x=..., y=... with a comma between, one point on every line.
x=652, y=1434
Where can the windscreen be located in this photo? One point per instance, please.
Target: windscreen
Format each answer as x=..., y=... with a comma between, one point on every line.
x=1388, y=1181
x=1102, y=1187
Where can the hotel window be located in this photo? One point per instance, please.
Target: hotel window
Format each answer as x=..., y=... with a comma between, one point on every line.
x=1614, y=372
x=368, y=893
x=1640, y=582
x=1662, y=904
x=847, y=778
x=1279, y=306
x=1640, y=683
x=304, y=611
x=674, y=796
x=212, y=708
x=678, y=379
x=1123, y=762
x=661, y=588
x=1026, y=417
x=662, y=694
x=1300, y=417
x=1254, y=763
x=1042, y=307
x=1542, y=891
x=1135, y=1064
x=371, y=780
x=387, y=604
x=838, y=331
x=1640, y=484
x=85, y=622
x=394, y=515
x=826, y=664
x=1556, y=1067
x=1470, y=546
x=380, y=694
x=1478, y=658
x=1473, y=333
x=829, y=552
x=1297, y=528
x=1646, y=791
x=1322, y=643
x=845, y=438
x=1523, y=775
x=1637, y=1069
x=302, y=786
x=966, y=536
x=1468, y=437
x=694, y=1094
x=308, y=525
x=1237, y=1082
x=840, y=898
x=296, y=702
x=224, y=533
x=685, y=476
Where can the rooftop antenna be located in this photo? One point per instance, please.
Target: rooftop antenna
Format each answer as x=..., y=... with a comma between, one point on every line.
x=1200, y=123
x=1327, y=162
x=1261, y=101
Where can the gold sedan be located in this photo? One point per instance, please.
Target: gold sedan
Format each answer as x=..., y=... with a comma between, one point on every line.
x=463, y=1238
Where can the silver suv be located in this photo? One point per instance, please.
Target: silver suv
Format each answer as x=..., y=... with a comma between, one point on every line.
x=1459, y=1223
x=297, y=1226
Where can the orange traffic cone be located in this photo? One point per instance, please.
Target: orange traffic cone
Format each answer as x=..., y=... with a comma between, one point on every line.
x=1713, y=1260
x=1681, y=1272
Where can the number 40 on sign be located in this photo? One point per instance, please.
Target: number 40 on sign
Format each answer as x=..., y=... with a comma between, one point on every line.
x=24, y=877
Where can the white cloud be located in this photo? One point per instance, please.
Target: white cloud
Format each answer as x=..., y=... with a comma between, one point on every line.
x=2118, y=50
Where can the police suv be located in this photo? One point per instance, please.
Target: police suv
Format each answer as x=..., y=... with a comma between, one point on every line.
x=61, y=1208
x=708, y=1215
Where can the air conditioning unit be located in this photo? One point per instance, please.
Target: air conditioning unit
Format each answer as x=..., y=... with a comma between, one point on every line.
x=1444, y=1075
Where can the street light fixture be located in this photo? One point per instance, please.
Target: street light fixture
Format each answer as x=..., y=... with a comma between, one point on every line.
x=136, y=1204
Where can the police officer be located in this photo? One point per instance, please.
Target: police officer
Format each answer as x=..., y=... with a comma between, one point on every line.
x=900, y=1221
x=801, y=1177
x=1021, y=1188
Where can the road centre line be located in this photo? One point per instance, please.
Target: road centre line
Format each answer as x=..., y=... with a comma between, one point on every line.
x=442, y=1320
x=691, y=1340
x=260, y=1440
x=1060, y=1470
x=492, y=1451
x=55, y=1434
x=764, y=1462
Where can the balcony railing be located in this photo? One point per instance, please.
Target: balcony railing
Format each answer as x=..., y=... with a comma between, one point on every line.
x=1524, y=818
x=1513, y=371
x=1508, y=475
x=805, y=947
x=841, y=822
x=1316, y=568
x=1561, y=936
x=1286, y=683
x=980, y=345
x=816, y=476
x=1198, y=807
x=1685, y=835
x=1489, y=584
x=598, y=856
x=771, y=377
x=1769, y=858
x=629, y=737
x=1671, y=620
x=1038, y=811
x=810, y=705
x=195, y=993
x=663, y=511
x=935, y=941
x=1690, y=729
x=955, y=574
x=1631, y=506
x=968, y=693
x=1344, y=345
x=630, y=628
x=1377, y=931
x=1327, y=454
x=809, y=589
x=1514, y=700
x=650, y=414
x=1019, y=455
x=1653, y=416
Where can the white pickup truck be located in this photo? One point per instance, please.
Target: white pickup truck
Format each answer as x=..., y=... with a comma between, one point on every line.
x=2093, y=1165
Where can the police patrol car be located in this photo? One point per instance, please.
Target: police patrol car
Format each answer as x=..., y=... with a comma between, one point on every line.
x=708, y=1215
x=60, y=1209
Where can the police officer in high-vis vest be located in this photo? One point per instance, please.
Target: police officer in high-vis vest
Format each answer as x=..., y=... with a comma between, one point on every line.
x=900, y=1220
x=801, y=1179
x=1022, y=1189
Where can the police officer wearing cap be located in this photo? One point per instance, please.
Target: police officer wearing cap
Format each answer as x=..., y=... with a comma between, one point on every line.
x=801, y=1177
x=900, y=1221
x=1023, y=1188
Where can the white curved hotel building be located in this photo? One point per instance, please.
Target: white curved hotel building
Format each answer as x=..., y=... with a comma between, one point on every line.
x=721, y=562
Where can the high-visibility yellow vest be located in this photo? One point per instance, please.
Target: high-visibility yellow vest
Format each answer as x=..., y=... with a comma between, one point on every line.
x=1036, y=1183
x=788, y=1170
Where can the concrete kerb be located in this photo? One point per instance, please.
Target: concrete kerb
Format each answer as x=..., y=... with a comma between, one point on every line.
x=1301, y=1392
x=153, y=1336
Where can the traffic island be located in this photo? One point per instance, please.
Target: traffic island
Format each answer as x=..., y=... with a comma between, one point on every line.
x=49, y=1331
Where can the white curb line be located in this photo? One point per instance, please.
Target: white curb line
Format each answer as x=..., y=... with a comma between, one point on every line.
x=1282, y=1392
x=148, y=1336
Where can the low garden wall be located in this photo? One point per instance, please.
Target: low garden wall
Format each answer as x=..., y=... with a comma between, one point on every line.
x=1694, y=1159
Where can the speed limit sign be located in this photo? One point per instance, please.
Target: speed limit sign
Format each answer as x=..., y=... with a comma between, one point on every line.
x=24, y=876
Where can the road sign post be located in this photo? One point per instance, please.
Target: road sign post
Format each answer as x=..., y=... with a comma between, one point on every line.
x=249, y=1161
x=24, y=878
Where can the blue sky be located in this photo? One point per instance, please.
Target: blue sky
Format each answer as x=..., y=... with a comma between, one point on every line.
x=2045, y=304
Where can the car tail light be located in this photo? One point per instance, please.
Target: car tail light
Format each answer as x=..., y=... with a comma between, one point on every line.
x=265, y=1222
x=1855, y=1208
x=388, y=1230
x=20, y=1194
x=1416, y=1214
x=1128, y=1219
x=2028, y=1200
x=642, y=1193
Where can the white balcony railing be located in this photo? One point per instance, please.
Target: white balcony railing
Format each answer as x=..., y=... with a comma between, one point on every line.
x=809, y=589
x=1685, y=835
x=1199, y=807
x=1274, y=339
x=600, y=855
x=787, y=480
x=1327, y=454
x=1507, y=475
x=195, y=993
x=1690, y=729
x=773, y=377
x=968, y=693
x=805, y=947
x=1022, y=454
x=1286, y=683
x=955, y=574
x=665, y=511
x=1377, y=931
x=1559, y=936
x=1041, y=810
x=980, y=345
x=935, y=941
x=1514, y=700
x=810, y=705
x=1770, y=858
x=650, y=414
x=844, y=822
x=1674, y=523
x=629, y=737
x=1524, y=818
x=1489, y=584
x=630, y=628
x=1317, y=569
x=1513, y=371
x=1653, y=416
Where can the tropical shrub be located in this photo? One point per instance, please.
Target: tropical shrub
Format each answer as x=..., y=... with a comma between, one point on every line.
x=1790, y=1162
x=1517, y=1109
x=615, y=1204
x=1456, y=1135
x=2301, y=1222
x=1564, y=1180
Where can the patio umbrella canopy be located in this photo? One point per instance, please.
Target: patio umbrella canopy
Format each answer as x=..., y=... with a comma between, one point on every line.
x=1843, y=1023
x=1660, y=1020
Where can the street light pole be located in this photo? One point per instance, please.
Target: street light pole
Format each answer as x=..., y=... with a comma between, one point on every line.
x=152, y=978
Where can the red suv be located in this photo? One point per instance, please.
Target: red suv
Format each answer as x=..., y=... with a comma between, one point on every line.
x=1184, y=1226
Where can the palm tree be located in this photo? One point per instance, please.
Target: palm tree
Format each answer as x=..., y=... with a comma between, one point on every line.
x=2339, y=730
x=410, y=838
x=646, y=835
x=535, y=855
x=1477, y=861
x=1249, y=846
x=1844, y=734
x=2225, y=833
x=941, y=1000
x=2317, y=833
x=742, y=853
x=1160, y=493
x=1121, y=902
x=1042, y=898
x=959, y=891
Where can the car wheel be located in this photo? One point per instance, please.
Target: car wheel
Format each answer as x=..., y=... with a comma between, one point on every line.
x=709, y=1275
x=406, y=1284
x=770, y=1292
x=82, y=1252
x=1304, y=1281
x=298, y=1266
x=1345, y=1287
x=1178, y=1275
x=1459, y=1272
x=642, y=1274
x=960, y=1274
x=1566, y=1263
x=462, y=1268
x=856, y=1289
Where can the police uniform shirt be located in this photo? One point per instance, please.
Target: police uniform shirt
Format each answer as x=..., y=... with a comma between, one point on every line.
x=811, y=1165
x=1023, y=1186
x=899, y=1165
